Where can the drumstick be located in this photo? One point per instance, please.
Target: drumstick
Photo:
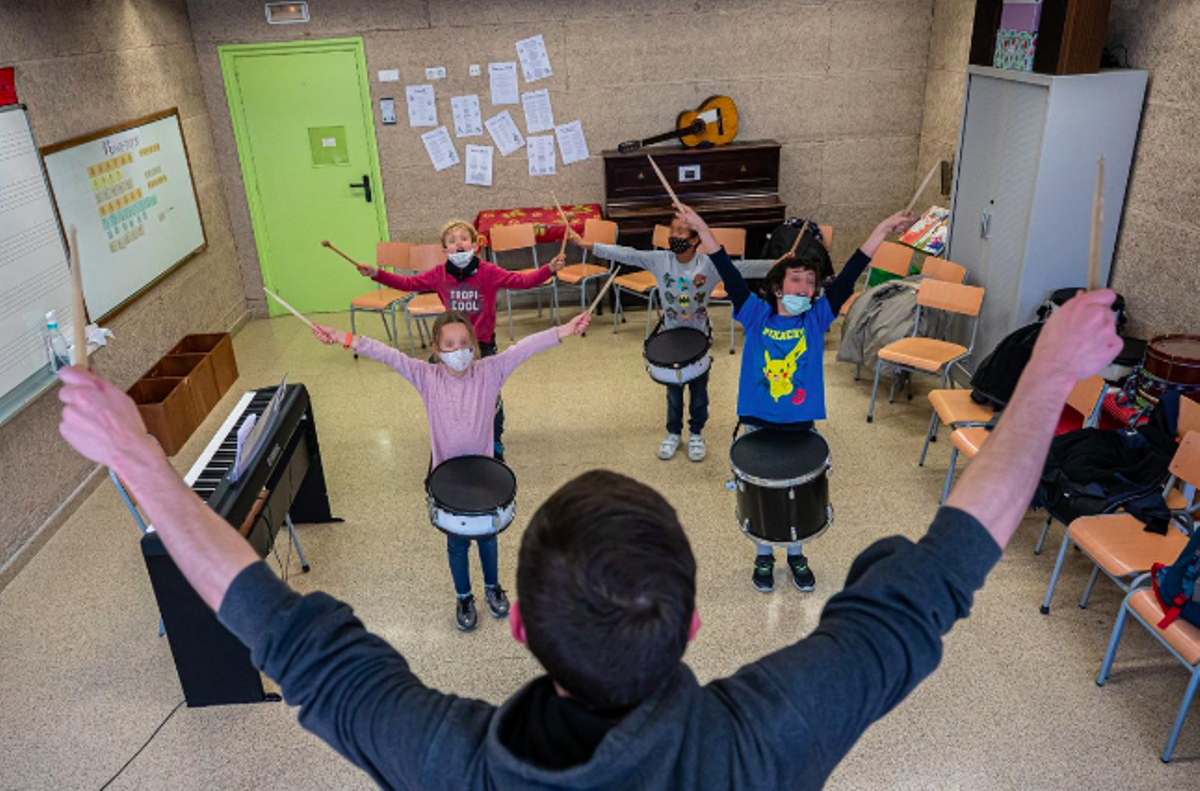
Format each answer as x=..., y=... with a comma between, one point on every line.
x=663, y=179
x=603, y=291
x=799, y=236
x=1097, y=228
x=566, y=224
x=928, y=178
x=292, y=310
x=79, y=324
x=329, y=244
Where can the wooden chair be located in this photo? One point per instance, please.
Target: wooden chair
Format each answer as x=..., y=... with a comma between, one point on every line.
x=422, y=258
x=382, y=301
x=511, y=238
x=579, y=275
x=890, y=257
x=929, y=356
x=1118, y=544
x=945, y=270
x=827, y=237
x=734, y=242
x=1180, y=638
x=640, y=284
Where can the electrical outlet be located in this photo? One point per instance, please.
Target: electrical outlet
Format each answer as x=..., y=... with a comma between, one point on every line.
x=475, y=71
x=689, y=173
x=435, y=73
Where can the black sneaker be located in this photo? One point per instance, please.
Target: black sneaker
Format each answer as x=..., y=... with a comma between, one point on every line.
x=764, y=574
x=497, y=601
x=802, y=576
x=466, y=616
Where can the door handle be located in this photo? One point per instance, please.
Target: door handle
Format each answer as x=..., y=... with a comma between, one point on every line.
x=365, y=186
x=985, y=224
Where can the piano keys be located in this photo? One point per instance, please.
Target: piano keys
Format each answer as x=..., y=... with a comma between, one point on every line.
x=285, y=476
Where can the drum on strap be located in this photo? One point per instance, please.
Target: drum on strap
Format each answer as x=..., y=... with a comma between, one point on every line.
x=782, y=481
x=1172, y=362
x=471, y=496
x=676, y=356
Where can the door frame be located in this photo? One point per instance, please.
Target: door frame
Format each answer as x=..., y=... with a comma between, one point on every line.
x=228, y=55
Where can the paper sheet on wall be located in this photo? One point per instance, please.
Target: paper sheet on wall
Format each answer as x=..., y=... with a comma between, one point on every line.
x=468, y=122
x=505, y=134
x=535, y=62
x=571, y=142
x=503, y=80
x=479, y=165
x=539, y=116
x=440, y=148
x=422, y=105
x=541, y=155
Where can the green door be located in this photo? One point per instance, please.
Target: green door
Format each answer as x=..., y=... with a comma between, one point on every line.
x=302, y=118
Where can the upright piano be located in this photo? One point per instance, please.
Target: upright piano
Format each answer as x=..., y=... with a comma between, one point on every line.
x=735, y=185
x=283, y=477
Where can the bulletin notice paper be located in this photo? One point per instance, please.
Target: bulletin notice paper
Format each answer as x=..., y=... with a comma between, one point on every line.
x=541, y=155
x=468, y=122
x=479, y=165
x=505, y=134
x=422, y=105
x=535, y=62
x=503, y=80
x=440, y=148
x=571, y=142
x=539, y=117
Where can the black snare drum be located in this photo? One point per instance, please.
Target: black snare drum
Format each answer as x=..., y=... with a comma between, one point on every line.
x=471, y=496
x=782, y=480
x=676, y=356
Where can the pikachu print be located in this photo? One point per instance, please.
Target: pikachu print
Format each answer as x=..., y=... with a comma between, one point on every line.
x=779, y=372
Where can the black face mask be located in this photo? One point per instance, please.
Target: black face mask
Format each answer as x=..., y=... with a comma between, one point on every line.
x=679, y=245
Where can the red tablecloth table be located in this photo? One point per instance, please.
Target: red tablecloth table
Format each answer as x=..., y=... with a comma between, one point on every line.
x=547, y=226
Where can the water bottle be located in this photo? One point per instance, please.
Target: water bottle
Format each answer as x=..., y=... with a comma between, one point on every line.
x=56, y=344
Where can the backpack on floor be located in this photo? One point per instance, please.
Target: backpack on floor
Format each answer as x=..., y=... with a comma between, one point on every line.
x=1061, y=296
x=782, y=238
x=996, y=377
x=1176, y=585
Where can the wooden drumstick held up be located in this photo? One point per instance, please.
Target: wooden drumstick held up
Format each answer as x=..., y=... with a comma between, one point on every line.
x=566, y=224
x=596, y=302
x=290, y=309
x=328, y=244
x=1097, y=228
x=663, y=179
x=799, y=236
x=79, y=319
x=928, y=178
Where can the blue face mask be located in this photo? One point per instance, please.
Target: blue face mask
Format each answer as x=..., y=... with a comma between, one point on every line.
x=795, y=304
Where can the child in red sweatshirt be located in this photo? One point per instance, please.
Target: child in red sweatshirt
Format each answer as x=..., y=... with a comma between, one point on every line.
x=469, y=285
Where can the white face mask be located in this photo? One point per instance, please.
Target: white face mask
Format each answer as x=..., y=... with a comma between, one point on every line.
x=461, y=258
x=458, y=360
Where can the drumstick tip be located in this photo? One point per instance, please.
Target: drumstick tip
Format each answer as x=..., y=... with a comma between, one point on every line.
x=325, y=243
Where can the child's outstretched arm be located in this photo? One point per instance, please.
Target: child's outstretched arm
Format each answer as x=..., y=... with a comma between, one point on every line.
x=643, y=259
x=407, y=367
x=735, y=284
x=843, y=285
x=504, y=363
x=521, y=281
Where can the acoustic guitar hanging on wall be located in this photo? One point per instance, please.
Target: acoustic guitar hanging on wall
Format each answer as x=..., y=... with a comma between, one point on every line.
x=715, y=123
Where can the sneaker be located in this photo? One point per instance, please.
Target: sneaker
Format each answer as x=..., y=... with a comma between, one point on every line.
x=670, y=444
x=466, y=616
x=696, y=449
x=497, y=601
x=764, y=574
x=802, y=576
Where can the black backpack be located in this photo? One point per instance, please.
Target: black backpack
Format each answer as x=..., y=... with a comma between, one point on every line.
x=781, y=239
x=996, y=377
x=1061, y=296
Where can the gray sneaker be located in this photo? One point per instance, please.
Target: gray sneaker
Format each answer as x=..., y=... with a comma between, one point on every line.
x=670, y=444
x=465, y=615
x=497, y=601
x=696, y=449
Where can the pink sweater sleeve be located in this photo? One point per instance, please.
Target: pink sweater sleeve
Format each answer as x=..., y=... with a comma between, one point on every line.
x=519, y=281
x=504, y=363
x=426, y=281
x=412, y=370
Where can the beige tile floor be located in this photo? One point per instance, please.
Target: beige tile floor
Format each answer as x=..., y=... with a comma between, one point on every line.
x=84, y=680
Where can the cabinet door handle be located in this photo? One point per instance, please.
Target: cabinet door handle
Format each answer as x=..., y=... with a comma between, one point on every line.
x=985, y=224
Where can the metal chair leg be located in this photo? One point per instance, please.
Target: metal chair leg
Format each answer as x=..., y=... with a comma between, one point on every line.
x=929, y=435
x=1041, y=542
x=649, y=310
x=353, y=329
x=1058, y=564
x=1087, y=592
x=857, y=370
x=617, y=310
x=874, y=392
x=1114, y=641
x=287, y=520
x=412, y=346
x=1183, y=710
x=386, y=329
x=949, y=476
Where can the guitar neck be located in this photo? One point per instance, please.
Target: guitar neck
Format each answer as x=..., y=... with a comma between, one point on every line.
x=674, y=134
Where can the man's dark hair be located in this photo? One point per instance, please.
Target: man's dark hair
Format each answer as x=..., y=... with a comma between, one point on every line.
x=810, y=255
x=607, y=586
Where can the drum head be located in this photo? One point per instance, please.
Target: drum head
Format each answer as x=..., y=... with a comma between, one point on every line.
x=676, y=348
x=472, y=485
x=779, y=455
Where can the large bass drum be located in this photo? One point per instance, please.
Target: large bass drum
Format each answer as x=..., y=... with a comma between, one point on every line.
x=471, y=496
x=782, y=481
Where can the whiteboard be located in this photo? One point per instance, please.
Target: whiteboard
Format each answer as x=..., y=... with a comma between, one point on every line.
x=34, y=275
x=128, y=191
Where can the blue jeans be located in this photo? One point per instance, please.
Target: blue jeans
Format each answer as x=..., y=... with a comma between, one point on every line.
x=460, y=565
x=697, y=407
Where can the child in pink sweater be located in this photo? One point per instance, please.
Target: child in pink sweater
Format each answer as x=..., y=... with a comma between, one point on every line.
x=460, y=391
x=469, y=285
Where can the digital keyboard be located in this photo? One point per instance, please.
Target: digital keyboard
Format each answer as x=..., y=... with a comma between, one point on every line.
x=283, y=476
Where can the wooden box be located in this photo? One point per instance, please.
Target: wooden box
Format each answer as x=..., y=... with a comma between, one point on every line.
x=218, y=346
x=168, y=410
x=199, y=378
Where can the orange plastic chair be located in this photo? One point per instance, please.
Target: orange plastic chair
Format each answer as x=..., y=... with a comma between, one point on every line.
x=890, y=257
x=945, y=270
x=734, y=242
x=640, y=284
x=422, y=258
x=511, y=238
x=380, y=300
x=595, y=231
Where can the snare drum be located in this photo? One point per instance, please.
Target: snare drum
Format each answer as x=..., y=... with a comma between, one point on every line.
x=782, y=480
x=676, y=356
x=471, y=496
